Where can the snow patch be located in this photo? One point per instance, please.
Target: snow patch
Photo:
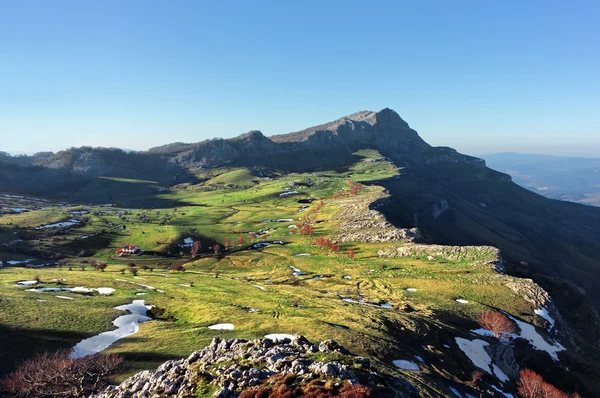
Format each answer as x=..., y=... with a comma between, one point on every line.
x=529, y=333
x=280, y=336
x=462, y=301
x=126, y=325
x=411, y=289
x=543, y=312
x=405, y=365
x=475, y=350
x=63, y=224
x=17, y=262
x=27, y=283
x=222, y=326
x=502, y=392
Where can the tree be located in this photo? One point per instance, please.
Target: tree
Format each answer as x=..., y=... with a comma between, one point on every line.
x=59, y=375
x=306, y=229
x=351, y=253
x=100, y=267
x=133, y=271
x=532, y=385
x=226, y=243
x=241, y=240
x=196, y=247
x=252, y=236
x=497, y=323
x=216, y=248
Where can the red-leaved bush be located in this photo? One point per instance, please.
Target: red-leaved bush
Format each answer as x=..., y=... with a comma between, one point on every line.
x=532, y=385
x=497, y=323
x=57, y=375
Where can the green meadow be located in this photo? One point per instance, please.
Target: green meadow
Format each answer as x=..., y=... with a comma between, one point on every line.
x=256, y=290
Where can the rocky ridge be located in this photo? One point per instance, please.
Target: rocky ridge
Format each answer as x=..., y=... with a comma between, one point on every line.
x=236, y=365
x=360, y=223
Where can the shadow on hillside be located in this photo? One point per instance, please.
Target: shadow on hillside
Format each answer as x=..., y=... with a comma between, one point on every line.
x=18, y=344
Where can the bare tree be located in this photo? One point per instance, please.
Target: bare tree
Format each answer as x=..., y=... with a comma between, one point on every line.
x=196, y=247
x=58, y=375
x=499, y=324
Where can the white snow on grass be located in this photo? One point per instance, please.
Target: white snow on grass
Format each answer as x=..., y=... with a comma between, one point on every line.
x=27, y=283
x=222, y=326
x=479, y=357
x=63, y=224
x=65, y=297
x=405, y=365
x=502, y=392
x=19, y=210
x=462, y=301
x=297, y=272
x=529, y=333
x=411, y=289
x=78, y=213
x=17, y=262
x=141, y=285
x=279, y=336
x=483, y=332
x=543, y=312
x=259, y=287
x=81, y=289
x=126, y=325
x=77, y=289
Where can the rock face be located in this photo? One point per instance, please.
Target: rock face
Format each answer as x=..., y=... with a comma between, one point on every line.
x=219, y=365
x=359, y=223
x=503, y=356
x=486, y=254
x=384, y=130
x=440, y=208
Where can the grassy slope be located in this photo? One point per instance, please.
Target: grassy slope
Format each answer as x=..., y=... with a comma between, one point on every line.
x=288, y=304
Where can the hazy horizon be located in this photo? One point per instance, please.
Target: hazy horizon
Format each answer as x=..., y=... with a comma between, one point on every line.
x=479, y=77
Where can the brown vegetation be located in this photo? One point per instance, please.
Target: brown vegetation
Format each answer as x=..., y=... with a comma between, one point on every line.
x=58, y=375
x=497, y=323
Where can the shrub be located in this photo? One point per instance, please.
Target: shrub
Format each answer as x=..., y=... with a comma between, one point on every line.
x=58, y=375
x=497, y=323
x=532, y=385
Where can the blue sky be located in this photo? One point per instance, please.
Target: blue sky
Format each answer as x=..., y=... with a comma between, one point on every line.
x=480, y=76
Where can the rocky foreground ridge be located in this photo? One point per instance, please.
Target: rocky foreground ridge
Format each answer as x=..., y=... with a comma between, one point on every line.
x=263, y=368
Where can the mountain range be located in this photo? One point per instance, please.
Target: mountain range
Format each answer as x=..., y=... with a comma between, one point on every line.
x=453, y=198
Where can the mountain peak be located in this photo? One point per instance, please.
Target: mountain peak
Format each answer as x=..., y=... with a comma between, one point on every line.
x=386, y=118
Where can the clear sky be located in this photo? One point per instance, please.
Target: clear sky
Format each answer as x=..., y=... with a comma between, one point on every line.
x=481, y=76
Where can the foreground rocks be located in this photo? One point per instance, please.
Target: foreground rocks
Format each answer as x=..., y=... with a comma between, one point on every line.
x=230, y=367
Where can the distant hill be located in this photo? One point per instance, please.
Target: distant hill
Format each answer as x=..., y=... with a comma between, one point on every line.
x=558, y=177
